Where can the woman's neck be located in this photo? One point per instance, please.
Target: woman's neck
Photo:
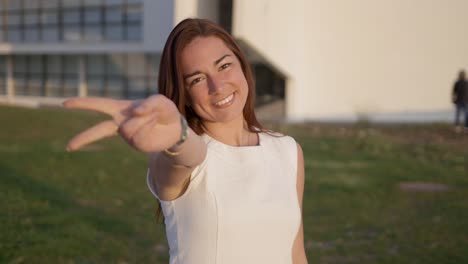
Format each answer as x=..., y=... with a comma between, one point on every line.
x=234, y=132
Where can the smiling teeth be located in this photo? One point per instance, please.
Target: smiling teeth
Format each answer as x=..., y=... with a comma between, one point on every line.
x=225, y=101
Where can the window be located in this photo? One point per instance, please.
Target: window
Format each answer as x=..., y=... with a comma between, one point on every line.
x=49, y=17
x=13, y=19
x=14, y=35
x=93, y=33
x=92, y=15
x=114, y=2
x=31, y=18
x=12, y=5
x=31, y=5
x=50, y=34
x=114, y=15
x=92, y=2
x=71, y=16
x=72, y=33
x=71, y=3
x=31, y=34
x=95, y=65
x=50, y=3
x=133, y=32
x=114, y=32
x=134, y=13
x=2, y=75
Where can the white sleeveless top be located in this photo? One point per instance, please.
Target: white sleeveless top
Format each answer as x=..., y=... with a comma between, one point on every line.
x=241, y=205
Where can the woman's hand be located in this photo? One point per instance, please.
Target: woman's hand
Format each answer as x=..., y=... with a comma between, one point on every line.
x=149, y=125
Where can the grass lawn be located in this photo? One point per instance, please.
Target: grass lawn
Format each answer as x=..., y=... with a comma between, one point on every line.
x=374, y=194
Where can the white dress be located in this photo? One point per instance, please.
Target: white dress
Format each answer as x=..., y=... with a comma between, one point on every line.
x=241, y=205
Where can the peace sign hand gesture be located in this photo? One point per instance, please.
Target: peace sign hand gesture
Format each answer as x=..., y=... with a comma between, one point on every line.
x=149, y=125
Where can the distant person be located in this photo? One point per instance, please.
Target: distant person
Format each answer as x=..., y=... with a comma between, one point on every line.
x=460, y=99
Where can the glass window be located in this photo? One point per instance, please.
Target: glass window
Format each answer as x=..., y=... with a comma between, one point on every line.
x=134, y=13
x=152, y=62
x=50, y=34
x=31, y=4
x=114, y=32
x=2, y=65
x=19, y=64
x=35, y=64
x=31, y=34
x=92, y=15
x=50, y=3
x=137, y=88
x=71, y=33
x=13, y=19
x=153, y=85
x=54, y=64
x=114, y=15
x=20, y=84
x=92, y=2
x=71, y=16
x=53, y=85
x=114, y=2
x=35, y=85
x=93, y=33
x=133, y=32
x=115, y=88
x=12, y=5
x=70, y=86
x=14, y=35
x=71, y=65
x=31, y=18
x=95, y=87
x=134, y=1
x=95, y=65
x=136, y=65
x=2, y=75
x=49, y=17
x=71, y=3
x=116, y=64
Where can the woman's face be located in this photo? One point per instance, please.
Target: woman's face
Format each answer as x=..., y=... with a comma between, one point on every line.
x=214, y=79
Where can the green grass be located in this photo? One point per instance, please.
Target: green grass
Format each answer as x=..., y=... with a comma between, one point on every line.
x=93, y=206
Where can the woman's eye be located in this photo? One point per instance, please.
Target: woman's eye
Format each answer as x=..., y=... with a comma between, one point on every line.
x=195, y=81
x=226, y=65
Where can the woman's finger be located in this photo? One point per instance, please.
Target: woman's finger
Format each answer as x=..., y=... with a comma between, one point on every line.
x=128, y=128
x=97, y=132
x=154, y=143
x=108, y=106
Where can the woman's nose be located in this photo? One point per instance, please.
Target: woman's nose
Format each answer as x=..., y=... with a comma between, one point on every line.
x=215, y=85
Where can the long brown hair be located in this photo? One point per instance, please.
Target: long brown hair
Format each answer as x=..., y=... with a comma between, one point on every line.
x=171, y=82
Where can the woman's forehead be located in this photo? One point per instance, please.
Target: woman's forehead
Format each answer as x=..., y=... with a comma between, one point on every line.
x=204, y=49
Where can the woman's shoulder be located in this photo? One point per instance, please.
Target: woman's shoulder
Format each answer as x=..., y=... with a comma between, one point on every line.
x=278, y=142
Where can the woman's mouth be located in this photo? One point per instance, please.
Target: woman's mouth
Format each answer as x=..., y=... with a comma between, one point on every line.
x=225, y=102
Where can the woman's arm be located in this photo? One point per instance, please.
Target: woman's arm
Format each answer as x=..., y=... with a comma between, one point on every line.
x=298, y=252
x=152, y=126
x=169, y=171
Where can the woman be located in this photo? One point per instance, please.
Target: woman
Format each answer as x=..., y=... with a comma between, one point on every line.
x=230, y=191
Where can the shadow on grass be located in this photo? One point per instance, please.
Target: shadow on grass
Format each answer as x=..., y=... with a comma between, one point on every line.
x=37, y=226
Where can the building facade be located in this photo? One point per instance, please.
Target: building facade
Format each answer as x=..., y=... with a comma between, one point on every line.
x=313, y=60
x=52, y=49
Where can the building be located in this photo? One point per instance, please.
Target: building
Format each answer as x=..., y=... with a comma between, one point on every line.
x=313, y=60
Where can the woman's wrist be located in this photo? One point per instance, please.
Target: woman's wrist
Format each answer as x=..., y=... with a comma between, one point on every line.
x=176, y=148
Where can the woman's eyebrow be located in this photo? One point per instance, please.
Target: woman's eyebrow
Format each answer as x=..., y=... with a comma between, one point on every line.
x=192, y=74
x=199, y=72
x=220, y=59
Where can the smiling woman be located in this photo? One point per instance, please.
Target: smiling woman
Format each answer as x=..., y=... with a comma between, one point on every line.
x=230, y=191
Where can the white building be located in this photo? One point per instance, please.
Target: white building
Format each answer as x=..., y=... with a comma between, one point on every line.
x=320, y=59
